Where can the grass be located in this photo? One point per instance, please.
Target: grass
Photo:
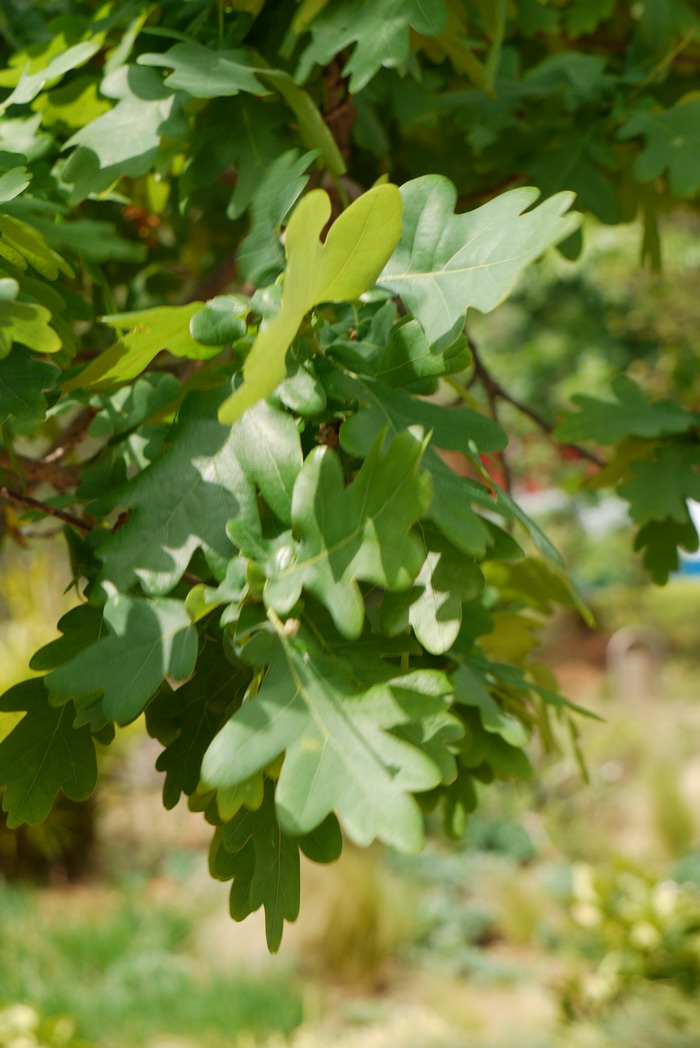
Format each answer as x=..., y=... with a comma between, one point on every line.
x=125, y=970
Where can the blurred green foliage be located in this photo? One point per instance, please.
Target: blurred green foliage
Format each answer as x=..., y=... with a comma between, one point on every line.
x=125, y=966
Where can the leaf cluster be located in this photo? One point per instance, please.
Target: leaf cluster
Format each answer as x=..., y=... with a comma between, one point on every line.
x=226, y=340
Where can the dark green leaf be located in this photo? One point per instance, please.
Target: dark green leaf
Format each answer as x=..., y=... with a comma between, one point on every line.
x=43, y=754
x=631, y=415
x=145, y=641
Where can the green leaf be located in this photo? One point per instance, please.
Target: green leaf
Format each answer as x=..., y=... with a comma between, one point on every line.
x=30, y=85
x=22, y=381
x=380, y=33
x=451, y=507
x=22, y=245
x=661, y=487
x=471, y=690
x=27, y=323
x=204, y=73
x=454, y=429
x=74, y=104
x=144, y=336
x=131, y=405
x=126, y=140
x=347, y=534
x=631, y=414
x=43, y=754
x=672, y=144
x=81, y=626
x=343, y=267
x=193, y=714
x=260, y=255
x=433, y=605
x=146, y=641
x=264, y=862
x=221, y=321
x=268, y=447
x=340, y=755
x=445, y=263
x=313, y=130
x=406, y=359
x=13, y=182
x=660, y=540
x=183, y=501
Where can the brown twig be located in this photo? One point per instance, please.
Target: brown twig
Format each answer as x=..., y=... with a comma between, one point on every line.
x=338, y=113
x=70, y=436
x=37, y=471
x=495, y=391
x=18, y=498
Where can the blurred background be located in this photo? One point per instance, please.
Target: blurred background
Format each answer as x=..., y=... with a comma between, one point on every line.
x=570, y=915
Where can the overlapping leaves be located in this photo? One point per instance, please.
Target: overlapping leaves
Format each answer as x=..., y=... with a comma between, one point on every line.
x=340, y=753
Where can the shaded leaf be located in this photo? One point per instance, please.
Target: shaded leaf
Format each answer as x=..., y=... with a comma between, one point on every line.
x=264, y=862
x=380, y=34
x=22, y=381
x=339, y=754
x=146, y=640
x=42, y=754
x=672, y=144
x=126, y=140
x=631, y=414
x=204, y=73
x=433, y=605
x=347, y=534
x=181, y=503
x=661, y=486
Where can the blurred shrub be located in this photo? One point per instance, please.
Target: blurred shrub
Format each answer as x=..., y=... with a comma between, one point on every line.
x=22, y=1027
x=673, y=609
x=634, y=928
x=365, y=921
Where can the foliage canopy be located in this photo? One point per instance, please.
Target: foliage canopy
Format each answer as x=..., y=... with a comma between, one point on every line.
x=238, y=244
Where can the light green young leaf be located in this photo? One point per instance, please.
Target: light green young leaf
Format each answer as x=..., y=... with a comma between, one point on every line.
x=143, y=336
x=43, y=754
x=347, y=534
x=445, y=263
x=347, y=264
x=22, y=245
x=340, y=755
x=26, y=323
x=29, y=84
x=146, y=641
